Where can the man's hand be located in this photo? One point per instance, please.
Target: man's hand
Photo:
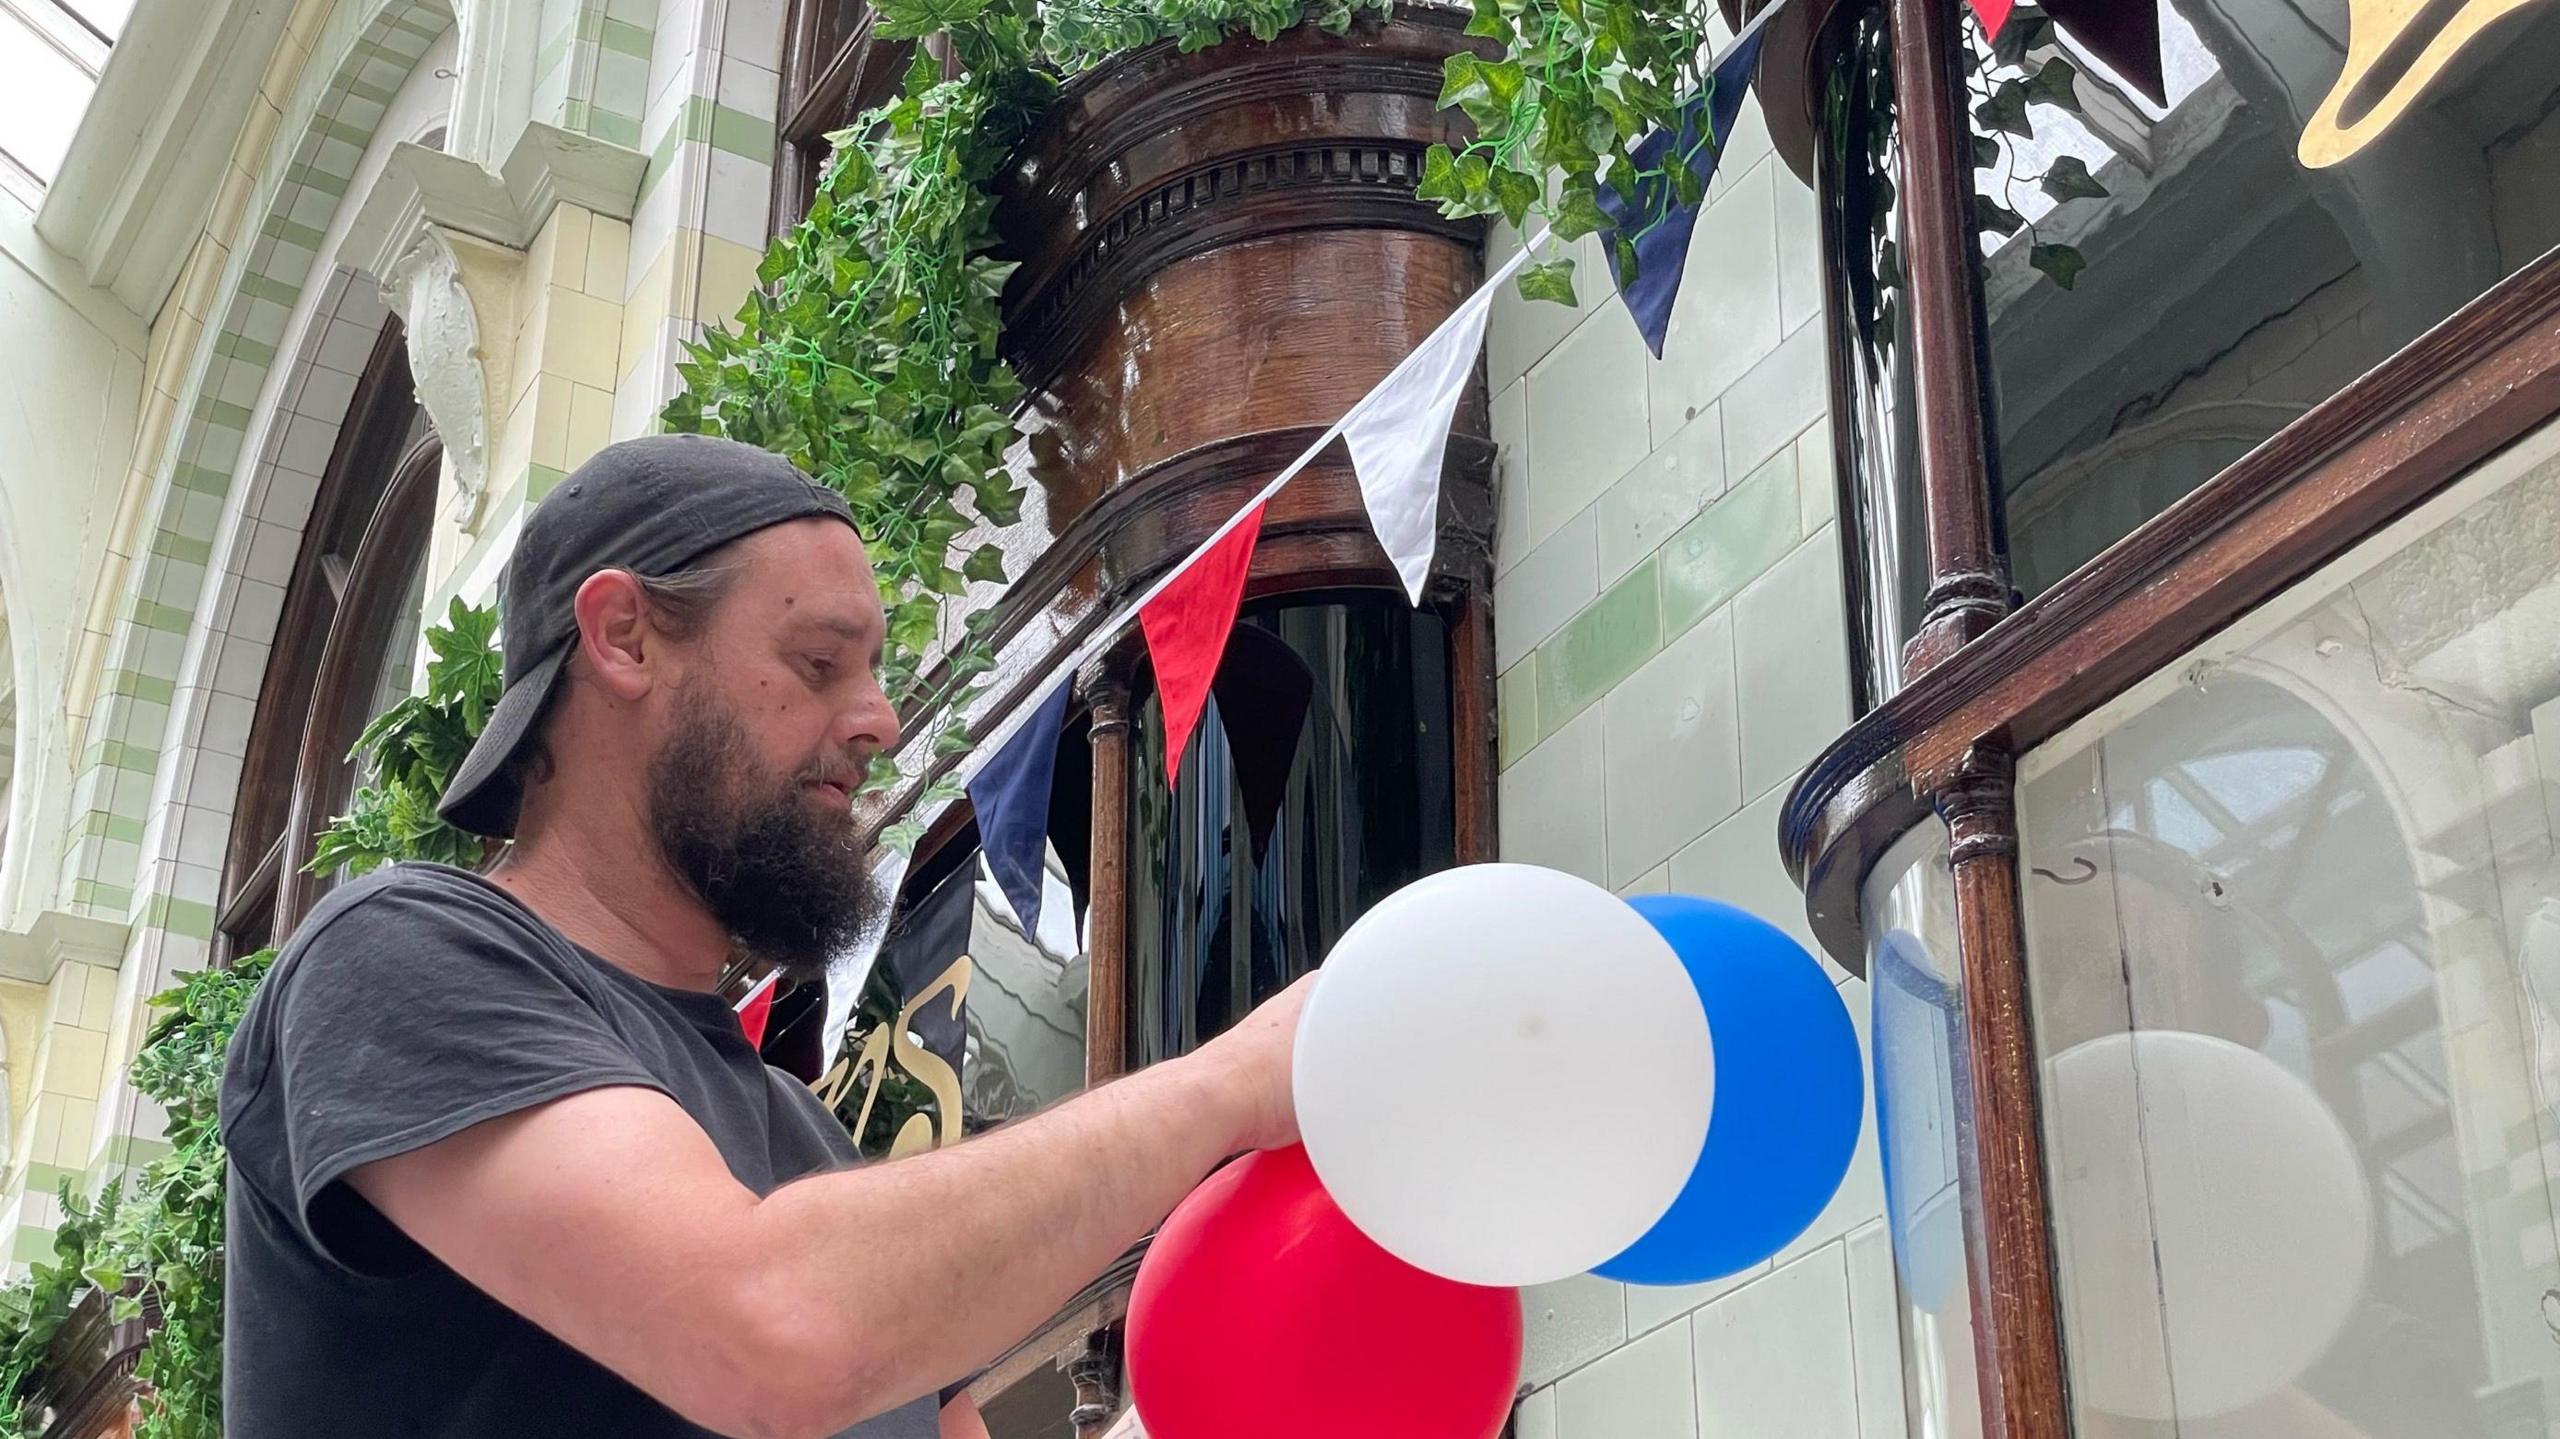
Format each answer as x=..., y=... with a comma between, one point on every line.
x=1254, y=1058
x=961, y=1420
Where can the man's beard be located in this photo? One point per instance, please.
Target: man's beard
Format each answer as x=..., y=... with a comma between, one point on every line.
x=784, y=880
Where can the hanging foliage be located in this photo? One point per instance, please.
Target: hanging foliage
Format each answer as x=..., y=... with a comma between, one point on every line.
x=409, y=752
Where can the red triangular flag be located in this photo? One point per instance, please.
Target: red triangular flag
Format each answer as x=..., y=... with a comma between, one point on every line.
x=1186, y=628
x=757, y=1008
x=1995, y=14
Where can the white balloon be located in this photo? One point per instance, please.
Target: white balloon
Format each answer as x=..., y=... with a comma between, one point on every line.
x=1503, y=1075
x=2209, y=1206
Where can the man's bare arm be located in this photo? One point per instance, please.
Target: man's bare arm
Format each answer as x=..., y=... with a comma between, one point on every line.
x=609, y=1219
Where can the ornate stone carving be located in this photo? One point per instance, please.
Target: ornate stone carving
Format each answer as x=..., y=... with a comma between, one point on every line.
x=439, y=286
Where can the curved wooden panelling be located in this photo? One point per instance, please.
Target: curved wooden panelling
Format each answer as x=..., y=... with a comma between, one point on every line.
x=1790, y=96
x=1220, y=253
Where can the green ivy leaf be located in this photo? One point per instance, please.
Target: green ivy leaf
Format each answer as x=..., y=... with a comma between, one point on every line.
x=1548, y=280
x=1986, y=153
x=923, y=73
x=1622, y=254
x=2068, y=179
x=2006, y=110
x=1516, y=193
x=2025, y=34
x=998, y=501
x=1999, y=219
x=1580, y=214
x=986, y=565
x=2054, y=86
x=1440, y=177
x=1489, y=22
x=2061, y=264
x=1460, y=79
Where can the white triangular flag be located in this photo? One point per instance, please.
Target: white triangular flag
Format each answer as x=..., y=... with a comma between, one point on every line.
x=1399, y=436
x=849, y=971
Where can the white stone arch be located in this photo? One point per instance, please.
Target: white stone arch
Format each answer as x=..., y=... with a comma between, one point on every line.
x=272, y=382
x=362, y=59
x=305, y=405
x=17, y=678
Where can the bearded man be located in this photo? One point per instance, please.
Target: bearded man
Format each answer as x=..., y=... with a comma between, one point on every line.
x=503, y=1162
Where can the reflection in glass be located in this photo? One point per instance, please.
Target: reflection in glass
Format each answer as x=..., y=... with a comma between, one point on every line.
x=2230, y=288
x=2325, y=847
x=1026, y=1001
x=1878, y=409
x=1921, y=1097
x=1320, y=781
x=400, y=659
x=1019, y=1044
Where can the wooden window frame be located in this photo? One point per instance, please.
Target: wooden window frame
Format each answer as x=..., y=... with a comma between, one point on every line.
x=1984, y=684
x=826, y=90
x=296, y=774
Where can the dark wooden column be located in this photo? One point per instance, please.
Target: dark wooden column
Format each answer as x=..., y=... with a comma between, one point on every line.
x=1106, y=1013
x=2018, y=1359
x=1968, y=575
x=1472, y=712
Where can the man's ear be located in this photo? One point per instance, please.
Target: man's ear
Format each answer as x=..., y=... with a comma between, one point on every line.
x=617, y=646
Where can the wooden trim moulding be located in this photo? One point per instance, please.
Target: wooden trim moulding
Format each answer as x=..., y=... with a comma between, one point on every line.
x=2478, y=382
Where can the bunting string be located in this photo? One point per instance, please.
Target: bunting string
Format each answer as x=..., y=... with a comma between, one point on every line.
x=1397, y=434
x=1745, y=43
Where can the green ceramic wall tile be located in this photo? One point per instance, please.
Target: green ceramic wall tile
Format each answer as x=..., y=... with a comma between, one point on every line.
x=1712, y=557
x=1599, y=647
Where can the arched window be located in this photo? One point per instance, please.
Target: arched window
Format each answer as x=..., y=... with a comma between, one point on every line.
x=833, y=68
x=345, y=649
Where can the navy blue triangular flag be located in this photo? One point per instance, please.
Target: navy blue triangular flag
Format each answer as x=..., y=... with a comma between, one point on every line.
x=1653, y=219
x=1011, y=797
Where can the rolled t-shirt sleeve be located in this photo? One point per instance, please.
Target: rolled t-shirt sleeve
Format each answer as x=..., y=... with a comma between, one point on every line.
x=412, y=1016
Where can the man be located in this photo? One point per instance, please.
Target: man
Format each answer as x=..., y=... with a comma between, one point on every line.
x=502, y=1161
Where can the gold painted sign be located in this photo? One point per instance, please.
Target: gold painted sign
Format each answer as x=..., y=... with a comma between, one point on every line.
x=867, y=1062
x=2395, y=50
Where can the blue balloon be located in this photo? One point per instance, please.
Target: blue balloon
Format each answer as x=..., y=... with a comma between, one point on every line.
x=1790, y=1097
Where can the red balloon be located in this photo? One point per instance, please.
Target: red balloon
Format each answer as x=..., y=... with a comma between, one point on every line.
x=1259, y=1294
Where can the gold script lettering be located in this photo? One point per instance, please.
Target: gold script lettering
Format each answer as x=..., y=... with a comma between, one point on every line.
x=869, y=1059
x=2377, y=30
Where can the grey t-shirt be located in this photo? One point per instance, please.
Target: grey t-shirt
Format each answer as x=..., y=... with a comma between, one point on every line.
x=412, y=1004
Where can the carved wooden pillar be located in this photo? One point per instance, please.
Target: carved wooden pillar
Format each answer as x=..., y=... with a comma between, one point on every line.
x=1222, y=252
x=1968, y=573
x=1096, y=1375
x=1106, y=1013
x=1473, y=709
x=2018, y=1359
x=2018, y=1356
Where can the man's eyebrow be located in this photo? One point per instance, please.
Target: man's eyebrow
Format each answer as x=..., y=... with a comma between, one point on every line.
x=841, y=628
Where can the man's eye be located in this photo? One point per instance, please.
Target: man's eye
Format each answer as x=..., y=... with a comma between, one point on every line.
x=819, y=665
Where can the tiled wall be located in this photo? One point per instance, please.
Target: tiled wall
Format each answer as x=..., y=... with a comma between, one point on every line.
x=592, y=73
x=66, y=1073
x=699, y=230
x=1670, y=633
